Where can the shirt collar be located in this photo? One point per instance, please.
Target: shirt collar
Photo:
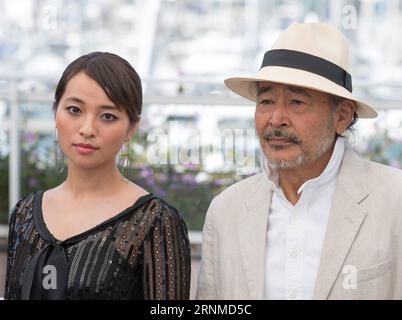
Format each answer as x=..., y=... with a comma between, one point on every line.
x=330, y=172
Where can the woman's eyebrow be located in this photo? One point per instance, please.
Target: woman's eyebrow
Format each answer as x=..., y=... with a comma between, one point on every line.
x=103, y=107
x=75, y=99
x=110, y=107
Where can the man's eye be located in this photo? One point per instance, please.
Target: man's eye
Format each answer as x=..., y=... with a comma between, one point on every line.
x=266, y=101
x=297, y=102
x=73, y=110
x=109, y=117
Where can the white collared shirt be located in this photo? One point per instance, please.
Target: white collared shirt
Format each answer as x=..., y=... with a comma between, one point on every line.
x=296, y=233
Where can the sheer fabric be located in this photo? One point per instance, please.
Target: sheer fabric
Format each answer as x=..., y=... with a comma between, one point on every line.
x=141, y=253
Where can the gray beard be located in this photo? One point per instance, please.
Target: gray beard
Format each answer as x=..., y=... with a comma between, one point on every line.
x=302, y=159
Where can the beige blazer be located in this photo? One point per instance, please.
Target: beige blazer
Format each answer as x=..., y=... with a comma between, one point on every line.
x=361, y=256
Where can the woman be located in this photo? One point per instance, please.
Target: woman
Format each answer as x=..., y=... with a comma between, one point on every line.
x=97, y=235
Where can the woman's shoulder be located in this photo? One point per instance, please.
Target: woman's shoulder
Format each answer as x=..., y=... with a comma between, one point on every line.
x=153, y=221
x=23, y=205
x=158, y=210
x=160, y=207
x=22, y=211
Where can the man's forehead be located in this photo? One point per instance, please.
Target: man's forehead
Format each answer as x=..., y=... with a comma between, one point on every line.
x=264, y=87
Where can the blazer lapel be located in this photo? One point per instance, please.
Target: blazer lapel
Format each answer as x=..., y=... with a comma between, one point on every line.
x=347, y=214
x=252, y=226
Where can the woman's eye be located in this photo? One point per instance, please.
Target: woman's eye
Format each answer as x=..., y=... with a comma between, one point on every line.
x=108, y=117
x=73, y=110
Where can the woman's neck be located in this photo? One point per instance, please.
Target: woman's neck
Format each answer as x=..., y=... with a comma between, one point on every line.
x=101, y=181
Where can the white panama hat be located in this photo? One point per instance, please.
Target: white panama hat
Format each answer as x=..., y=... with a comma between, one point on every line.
x=309, y=55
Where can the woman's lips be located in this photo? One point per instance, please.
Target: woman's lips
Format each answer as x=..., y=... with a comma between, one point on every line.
x=85, y=149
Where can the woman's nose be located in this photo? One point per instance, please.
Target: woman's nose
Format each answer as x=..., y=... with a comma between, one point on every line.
x=87, y=128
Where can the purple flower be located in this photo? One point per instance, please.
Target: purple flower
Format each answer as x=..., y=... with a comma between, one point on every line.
x=396, y=164
x=150, y=181
x=33, y=183
x=146, y=172
x=160, y=192
x=139, y=165
x=221, y=182
x=190, y=166
x=188, y=179
x=161, y=178
x=218, y=182
x=173, y=186
x=29, y=137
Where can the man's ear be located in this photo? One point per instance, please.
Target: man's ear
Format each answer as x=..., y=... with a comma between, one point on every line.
x=132, y=129
x=344, y=115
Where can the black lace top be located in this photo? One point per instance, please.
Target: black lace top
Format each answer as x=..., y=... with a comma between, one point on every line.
x=141, y=253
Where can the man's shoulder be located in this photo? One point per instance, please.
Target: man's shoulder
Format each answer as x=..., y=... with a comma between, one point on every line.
x=383, y=186
x=239, y=191
x=230, y=203
x=356, y=166
x=383, y=173
x=382, y=182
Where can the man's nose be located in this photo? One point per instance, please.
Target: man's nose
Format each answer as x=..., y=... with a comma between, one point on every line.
x=279, y=115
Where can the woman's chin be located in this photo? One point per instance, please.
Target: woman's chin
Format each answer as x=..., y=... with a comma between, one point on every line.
x=88, y=164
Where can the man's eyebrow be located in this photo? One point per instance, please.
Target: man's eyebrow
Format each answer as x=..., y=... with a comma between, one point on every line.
x=264, y=90
x=299, y=91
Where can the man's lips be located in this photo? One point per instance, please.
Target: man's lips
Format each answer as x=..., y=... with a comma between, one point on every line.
x=279, y=137
x=279, y=140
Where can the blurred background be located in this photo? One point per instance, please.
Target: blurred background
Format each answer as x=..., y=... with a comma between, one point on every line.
x=182, y=49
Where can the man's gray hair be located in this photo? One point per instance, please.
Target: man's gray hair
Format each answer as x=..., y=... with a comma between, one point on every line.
x=335, y=102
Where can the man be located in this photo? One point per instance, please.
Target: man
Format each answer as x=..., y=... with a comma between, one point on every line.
x=318, y=222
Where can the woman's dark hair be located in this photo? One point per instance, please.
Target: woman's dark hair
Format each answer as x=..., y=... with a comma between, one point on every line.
x=114, y=75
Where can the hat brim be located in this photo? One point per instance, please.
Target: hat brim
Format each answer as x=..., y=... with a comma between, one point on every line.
x=244, y=87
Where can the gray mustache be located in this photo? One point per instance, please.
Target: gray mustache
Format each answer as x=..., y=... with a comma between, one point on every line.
x=269, y=134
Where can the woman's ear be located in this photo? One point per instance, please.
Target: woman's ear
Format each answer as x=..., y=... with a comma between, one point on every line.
x=344, y=115
x=55, y=108
x=133, y=129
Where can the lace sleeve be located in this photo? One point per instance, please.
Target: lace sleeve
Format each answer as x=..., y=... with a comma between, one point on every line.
x=167, y=260
x=11, y=241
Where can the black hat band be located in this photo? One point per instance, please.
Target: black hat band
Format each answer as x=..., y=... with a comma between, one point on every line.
x=310, y=63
